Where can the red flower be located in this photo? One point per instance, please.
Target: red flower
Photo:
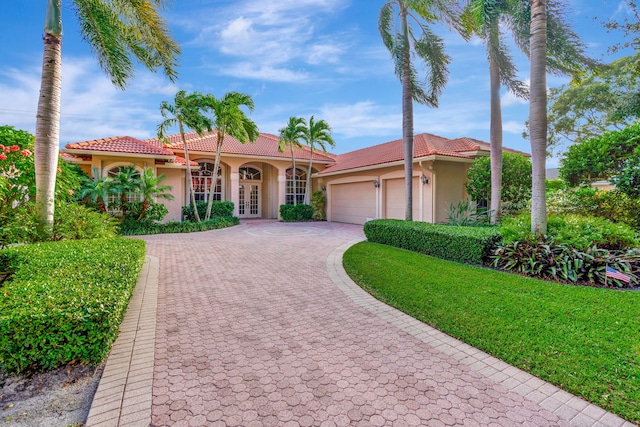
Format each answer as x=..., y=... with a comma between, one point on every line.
x=15, y=147
x=26, y=153
x=58, y=170
x=3, y=156
x=70, y=192
x=6, y=149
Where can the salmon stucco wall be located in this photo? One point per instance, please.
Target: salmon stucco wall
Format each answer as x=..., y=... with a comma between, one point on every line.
x=176, y=179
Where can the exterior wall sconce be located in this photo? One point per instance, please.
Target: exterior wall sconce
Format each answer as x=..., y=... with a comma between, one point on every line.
x=424, y=179
x=323, y=187
x=376, y=183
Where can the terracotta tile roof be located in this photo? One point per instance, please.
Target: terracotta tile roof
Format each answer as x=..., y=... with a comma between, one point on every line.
x=120, y=144
x=478, y=145
x=183, y=161
x=424, y=145
x=265, y=146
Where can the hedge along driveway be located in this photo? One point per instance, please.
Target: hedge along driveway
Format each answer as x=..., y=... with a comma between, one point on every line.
x=65, y=301
x=585, y=340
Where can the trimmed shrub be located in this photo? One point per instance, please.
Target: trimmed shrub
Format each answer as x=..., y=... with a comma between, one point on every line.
x=65, y=301
x=471, y=245
x=319, y=204
x=295, y=213
x=577, y=231
x=155, y=212
x=218, y=209
x=135, y=228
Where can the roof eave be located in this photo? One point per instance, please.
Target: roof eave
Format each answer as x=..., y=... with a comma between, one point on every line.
x=251, y=156
x=117, y=154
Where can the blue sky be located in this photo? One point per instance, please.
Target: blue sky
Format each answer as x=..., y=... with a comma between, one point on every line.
x=294, y=57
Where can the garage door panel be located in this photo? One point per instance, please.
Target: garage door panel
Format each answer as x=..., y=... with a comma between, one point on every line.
x=394, y=198
x=353, y=203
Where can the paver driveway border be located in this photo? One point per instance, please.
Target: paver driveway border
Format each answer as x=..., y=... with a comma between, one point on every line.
x=124, y=395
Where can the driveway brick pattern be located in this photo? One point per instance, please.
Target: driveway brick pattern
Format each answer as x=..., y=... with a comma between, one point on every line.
x=252, y=331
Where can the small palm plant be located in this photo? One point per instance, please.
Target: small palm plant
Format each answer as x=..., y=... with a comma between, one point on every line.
x=125, y=183
x=318, y=132
x=150, y=187
x=96, y=192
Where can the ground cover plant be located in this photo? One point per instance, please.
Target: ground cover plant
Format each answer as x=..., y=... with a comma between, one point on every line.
x=65, y=301
x=583, y=339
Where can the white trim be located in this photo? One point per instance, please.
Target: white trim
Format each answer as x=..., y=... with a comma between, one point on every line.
x=395, y=163
x=119, y=154
x=254, y=157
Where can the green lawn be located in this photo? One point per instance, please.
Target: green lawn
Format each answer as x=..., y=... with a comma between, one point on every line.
x=585, y=340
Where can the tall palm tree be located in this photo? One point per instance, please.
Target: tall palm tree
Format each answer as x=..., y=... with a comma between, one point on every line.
x=150, y=187
x=400, y=39
x=118, y=32
x=229, y=119
x=318, y=132
x=538, y=115
x=290, y=137
x=483, y=18
x=186, y=111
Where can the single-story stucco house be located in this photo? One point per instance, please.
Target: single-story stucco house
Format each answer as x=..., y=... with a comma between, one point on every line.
x=257, y=178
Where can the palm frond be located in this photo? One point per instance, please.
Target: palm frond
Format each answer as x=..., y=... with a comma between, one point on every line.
x=430, y=48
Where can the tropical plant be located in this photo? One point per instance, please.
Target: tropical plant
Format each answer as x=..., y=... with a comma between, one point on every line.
x=124, y=183
x=403, y=45
x=290, y=137
x=229, y=119
x=483, y=18
x=318, y=132
x=96, y=191
x=319, y=204
x=186, y=111
x=119, y=33
x=150, y=188
x=467, y=213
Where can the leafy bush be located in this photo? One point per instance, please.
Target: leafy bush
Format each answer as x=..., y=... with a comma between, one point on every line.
x=610, y=204
x=136, y=228
x=294, y=213
x=72, y=221
x=516, y=181
x=218, y=209
x=65, y=301
x=319, y=204
x=154, y=212
x=471, y=245
x=553, y=261
x=579, y=232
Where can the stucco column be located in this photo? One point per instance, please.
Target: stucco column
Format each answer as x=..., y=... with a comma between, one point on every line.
x=282, y=189
x=235, y=192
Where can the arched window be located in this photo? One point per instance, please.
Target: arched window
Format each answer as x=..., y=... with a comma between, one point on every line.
x=123, y=177
x=247, y=173
x=202, y=179
x=300, y=186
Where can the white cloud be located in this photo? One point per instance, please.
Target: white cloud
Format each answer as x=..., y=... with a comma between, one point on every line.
x=91, y=107
x=249, y=70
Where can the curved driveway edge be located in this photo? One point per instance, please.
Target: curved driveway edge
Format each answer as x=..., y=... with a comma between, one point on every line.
x=259, y=325
x=567, y=406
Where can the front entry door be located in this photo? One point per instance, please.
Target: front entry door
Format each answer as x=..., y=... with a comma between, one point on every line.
x=249, y=205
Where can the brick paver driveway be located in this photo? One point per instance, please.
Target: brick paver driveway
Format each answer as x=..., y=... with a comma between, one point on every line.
x=252, y=330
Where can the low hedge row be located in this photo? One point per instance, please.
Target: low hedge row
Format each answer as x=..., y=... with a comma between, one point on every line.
x=65, y=301
x=471, y=245
x=294, y=213
x=218, y=209
x=135, y=228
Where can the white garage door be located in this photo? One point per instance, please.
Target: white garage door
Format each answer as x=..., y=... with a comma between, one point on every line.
x=353, y=203
x=394, y=198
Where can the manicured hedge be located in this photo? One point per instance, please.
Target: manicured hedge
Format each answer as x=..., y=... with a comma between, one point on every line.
x=135, y=228
x=218, y=209
x=65, y=301
x=293, y=213
x=471, y=245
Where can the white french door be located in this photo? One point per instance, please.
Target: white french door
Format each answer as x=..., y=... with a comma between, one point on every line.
x=249, y=205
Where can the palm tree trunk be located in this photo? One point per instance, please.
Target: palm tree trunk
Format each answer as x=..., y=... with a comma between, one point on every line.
x=214, y=181
x=307, y=191
x=294, y=176
x=189, y=178
x=496, y=141
x=538, y=114
x=407, y=119
x=48, y=132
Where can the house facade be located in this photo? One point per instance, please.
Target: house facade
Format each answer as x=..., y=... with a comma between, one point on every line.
x=359, y=185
